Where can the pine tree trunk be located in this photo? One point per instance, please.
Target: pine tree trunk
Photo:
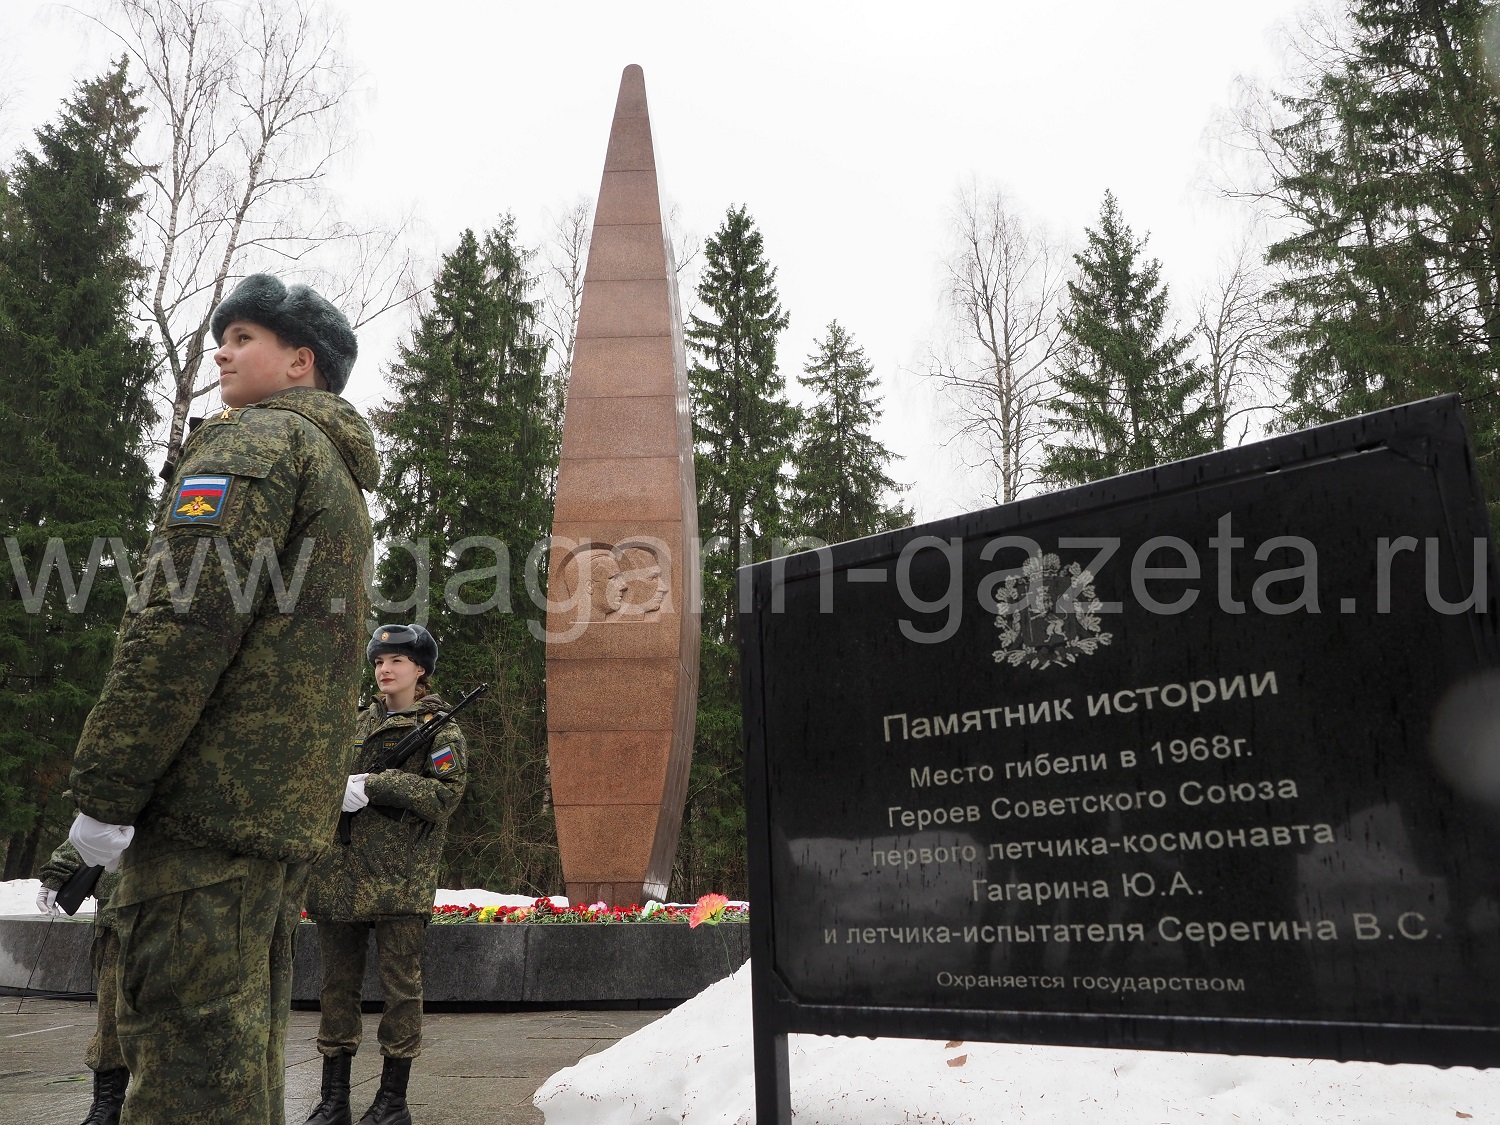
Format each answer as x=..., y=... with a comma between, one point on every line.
x=20, y=857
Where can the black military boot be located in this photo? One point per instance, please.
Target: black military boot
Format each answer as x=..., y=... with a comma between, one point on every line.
x=109, y=1096
x=334, y=1108
x=389, y=1107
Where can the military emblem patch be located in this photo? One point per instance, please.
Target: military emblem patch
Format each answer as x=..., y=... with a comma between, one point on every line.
x=199, y=500
x=443, y=761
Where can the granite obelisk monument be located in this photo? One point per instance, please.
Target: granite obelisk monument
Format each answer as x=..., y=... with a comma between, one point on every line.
x=622, y=647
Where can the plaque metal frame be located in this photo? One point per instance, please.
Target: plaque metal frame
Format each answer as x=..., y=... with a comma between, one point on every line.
x=1430, y=431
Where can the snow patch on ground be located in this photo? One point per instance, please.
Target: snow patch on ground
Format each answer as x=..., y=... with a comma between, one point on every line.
x=475, y=897
x=18, y=896
x=694, y=1067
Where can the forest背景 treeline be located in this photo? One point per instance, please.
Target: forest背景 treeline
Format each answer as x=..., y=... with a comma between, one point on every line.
x=1375, y=168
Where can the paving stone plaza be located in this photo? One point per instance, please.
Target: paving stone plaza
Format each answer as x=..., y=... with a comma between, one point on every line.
x=475, y=1066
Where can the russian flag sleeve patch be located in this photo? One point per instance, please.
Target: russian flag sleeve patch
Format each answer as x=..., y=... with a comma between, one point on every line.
x=199, y=500
x=443, y=760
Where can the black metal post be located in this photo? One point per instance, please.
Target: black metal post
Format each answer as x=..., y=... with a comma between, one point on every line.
x=773, y=1089
x=773, y=1084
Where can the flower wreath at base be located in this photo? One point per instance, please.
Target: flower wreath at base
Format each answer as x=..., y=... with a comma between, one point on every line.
x=710, y=910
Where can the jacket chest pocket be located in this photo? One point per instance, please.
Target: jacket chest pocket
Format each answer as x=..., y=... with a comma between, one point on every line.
x=368, y=750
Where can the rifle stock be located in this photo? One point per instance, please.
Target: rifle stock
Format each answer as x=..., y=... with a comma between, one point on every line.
x=78, y=887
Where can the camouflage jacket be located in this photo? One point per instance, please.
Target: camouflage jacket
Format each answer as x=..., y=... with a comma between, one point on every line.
x=390, y=865
x=66, y=860
x=224, y=719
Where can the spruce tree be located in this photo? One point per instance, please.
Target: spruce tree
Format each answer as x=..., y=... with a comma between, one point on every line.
x=1387, y=165
x=743, y=427
x=74, y=417
x=840, y=481
x=1128, y=395
x=470, y=443
x=743, y=424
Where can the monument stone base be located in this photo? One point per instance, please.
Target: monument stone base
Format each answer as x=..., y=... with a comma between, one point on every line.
x=617, y=894
x=646, y=965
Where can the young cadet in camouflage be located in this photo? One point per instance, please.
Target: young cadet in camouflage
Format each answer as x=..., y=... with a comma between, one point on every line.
x=221, y=734
x=102, y=1055
x=385, y=878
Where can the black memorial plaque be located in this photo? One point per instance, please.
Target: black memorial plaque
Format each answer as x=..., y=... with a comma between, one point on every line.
x=1142, y=763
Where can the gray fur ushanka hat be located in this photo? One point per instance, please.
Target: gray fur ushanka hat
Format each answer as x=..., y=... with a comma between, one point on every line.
x=300, y=316
x=411, y=641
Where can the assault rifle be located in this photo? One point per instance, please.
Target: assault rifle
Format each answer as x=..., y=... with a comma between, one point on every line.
x=418, y=738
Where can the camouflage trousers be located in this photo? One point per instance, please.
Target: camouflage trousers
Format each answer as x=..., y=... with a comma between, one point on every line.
x=398, y=947
x=205, y=982
x=104, y=1046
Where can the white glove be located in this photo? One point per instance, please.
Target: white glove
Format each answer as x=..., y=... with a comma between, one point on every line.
x=46, y=901
x=354, y=792
x=98, y=843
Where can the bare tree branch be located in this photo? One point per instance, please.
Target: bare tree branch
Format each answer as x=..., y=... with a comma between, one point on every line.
x=687, y=248
x=247, y=98
x=8, y=94
x=1235, y=329
x=371, y=270
x=1004, y=281
x=564, y=259
x=1250, y=153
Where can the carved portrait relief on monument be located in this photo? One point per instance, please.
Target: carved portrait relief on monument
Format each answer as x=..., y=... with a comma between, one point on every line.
x=610, y=582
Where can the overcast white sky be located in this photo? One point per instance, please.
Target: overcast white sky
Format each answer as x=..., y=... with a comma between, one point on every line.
x=844, y=126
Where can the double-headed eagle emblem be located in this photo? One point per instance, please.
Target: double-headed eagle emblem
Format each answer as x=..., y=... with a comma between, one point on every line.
x=1049, y=614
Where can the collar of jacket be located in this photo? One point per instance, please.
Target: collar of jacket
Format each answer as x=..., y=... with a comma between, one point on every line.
x=423, y=708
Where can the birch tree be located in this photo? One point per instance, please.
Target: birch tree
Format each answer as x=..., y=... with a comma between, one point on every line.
x=246, y=117
x=1235, y=330
x=1003, y=283
x=564, y=257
